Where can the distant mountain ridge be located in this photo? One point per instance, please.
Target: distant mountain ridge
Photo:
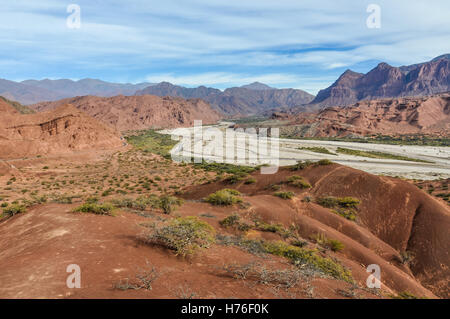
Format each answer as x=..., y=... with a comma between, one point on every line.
x=34, y=91
x=247, y=100
x=385, y=81
x=257, y=86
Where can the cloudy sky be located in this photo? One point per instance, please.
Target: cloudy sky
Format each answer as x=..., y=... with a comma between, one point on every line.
x=284, y=43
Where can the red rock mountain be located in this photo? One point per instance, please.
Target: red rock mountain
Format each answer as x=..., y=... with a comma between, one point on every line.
x=424, y=115
x=140, y=112
x=62, y=130
x=386, y=81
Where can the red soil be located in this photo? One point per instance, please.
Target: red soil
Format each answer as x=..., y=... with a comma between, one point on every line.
x=394, y=216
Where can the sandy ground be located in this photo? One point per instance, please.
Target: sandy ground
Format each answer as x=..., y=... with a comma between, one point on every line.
x=289, y=153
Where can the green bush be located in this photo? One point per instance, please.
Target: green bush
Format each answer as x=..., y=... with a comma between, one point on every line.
x=405, y=295
x=224, y=197
x=13, y=210
x=184, y=235
x=169, y=203
x=95, y=208
x=335, y=245
x=140, y=203
x=250, y=180
x=301, y=257
x=284, y=195
x=301, y=165
x=297, y=181
x=324, y=162
x=62, y=199
x=234, y=221
x=233, y=179
x=332, y=202
x=92, y=200
x=273, y=228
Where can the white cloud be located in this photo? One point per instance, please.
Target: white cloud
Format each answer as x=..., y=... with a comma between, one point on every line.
x=258, y=36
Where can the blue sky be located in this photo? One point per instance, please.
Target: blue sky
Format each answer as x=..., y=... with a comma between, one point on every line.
x=284, y=43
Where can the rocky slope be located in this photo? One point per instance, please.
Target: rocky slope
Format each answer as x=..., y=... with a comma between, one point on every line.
x=140, y=112
x=62, y=130
x=397, y=226
x=235, y=101
x=398, y=116
x=385, y=81
x=394, y=219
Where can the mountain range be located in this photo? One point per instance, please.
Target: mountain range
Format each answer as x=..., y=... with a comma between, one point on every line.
x=246, y=100
x=385, y=81
x=34, y=91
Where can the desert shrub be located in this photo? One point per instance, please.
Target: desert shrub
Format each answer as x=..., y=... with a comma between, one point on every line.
x=62, y=199
x=273, y=228
x=253, y=246
x=92, y=200
x=346, y=213
x=407, y=257
x=107, y=192
x=333, y=244
x=343, y=206
x=223, y=168
x=275, y=187
x=233, y=179
x=234, y=221
x=285, y=278
x=95, y=208
x=169, y=203
x=165, y=202
x=231, y=220
x=12, y=210
x=284, y=195
x=299, y=243
x=224, y=197
x=332, y=202
x=184, y=235
x=324, y=162
x=39, y=199
x=298, y=181
x=307, y=257
x=301, y=165
x=4, y=204
x=144, y=280
x=250, y=180
x=405, y=295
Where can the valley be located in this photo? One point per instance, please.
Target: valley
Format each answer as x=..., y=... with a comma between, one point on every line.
x=420, y=162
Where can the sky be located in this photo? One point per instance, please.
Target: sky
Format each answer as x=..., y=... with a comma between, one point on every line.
x=284, y=43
